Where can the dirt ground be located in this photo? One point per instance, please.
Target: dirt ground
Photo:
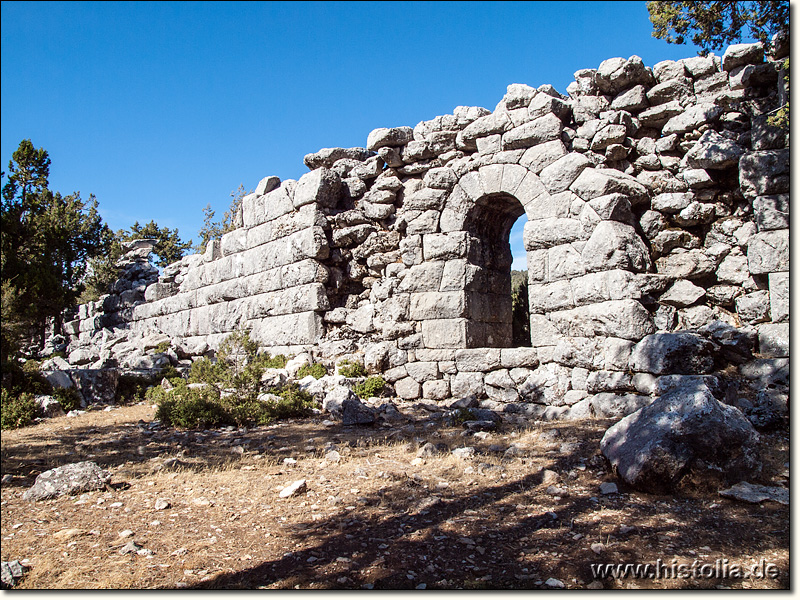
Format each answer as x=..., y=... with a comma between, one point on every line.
x=374, y=515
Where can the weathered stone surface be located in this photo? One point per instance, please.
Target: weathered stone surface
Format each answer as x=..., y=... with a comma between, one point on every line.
x=772, y=212
x=764, y=173
x=615, y=245
x=653, y=448
x=667, y=353
x=625, y=319
x=383, y=136
x=69, y=479
x=773, y=340
x=714, y=151
x=328, y=156
x=768, y=252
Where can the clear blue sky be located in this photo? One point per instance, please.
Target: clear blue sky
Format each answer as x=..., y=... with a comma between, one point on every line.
x=162, y=108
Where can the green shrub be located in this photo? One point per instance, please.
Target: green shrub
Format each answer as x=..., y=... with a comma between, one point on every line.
x=205, y=371
x=349, y=368
x=162, y=347
x=18, y=410
x=463, y=414
x=274, y=362
x=190, y=408
x=132, y=388
x=316, y=370
x=170, y=373
x=68, y=398
x=293, y=402
x=372, y=386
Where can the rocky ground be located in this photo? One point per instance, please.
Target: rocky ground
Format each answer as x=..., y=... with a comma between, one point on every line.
x=383, y=507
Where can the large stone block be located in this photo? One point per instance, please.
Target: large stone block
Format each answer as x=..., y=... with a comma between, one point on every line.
x=288, y=330
x=615, y=245
x=773, y=340
x=437, y=305
x=764, y=173
x=549, y=232
x=559, y=175
x=772, y=212
x=680, y=353
x=592, y=183
x=779, y=296
x=768, y=252
x=444, y=333
x=320, y=186
x=538, y=131
x=626, y=319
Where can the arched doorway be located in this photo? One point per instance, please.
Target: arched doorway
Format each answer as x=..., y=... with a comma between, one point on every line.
x=491, y=309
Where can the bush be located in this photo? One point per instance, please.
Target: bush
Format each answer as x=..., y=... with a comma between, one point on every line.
x=274, y=362
x=372, y=386
x=189, y=408
x=132, y=388
x=68, y=398
x=348, y=368
x=18, y=410
x=161, y=348
x=316, y=370
x=293, y=402
x=205, y=371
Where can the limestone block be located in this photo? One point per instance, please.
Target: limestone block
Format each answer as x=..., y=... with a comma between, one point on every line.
x=669, y=69
x=550, y=296
x=681, y=353
x=670, y=90
x=538, y=131
x=285, y=330
x=558, y=176
x=383, y=136
x=445, y=246
x=491, y=178
x=682, y=293
x=615, y=245
x=754, y=307
x=737, y=55
x=592, y=183
x=608, y=135
x=564, y=262
x=608, y=381
x=320, y=186
x=773, y=340
x=407, y=389
x=656, y=116
x=440, y=178
x=632, y=100
x=616, y=74
x=772, y=212
x=694, y=317
x=540, y=156
x=578, y=352
x=590, y=289
x=511, y=358
x=436, y=389
x=613, y=207
x=478, y=359
x=764, y=173
x=422, y=371
x=701, y=66
x=427, y=222
x=626, y=319
x=361, y=319
x=714, y=151
x=779, y=296
x=233, y=242
x=686, y=264
x=444, y=333
x=437, y=305
x=768, y=252
x=425, y=277
x=548, y=232
x=671, y=202
x=692, y=118
x=489, y=124
x=466, y=383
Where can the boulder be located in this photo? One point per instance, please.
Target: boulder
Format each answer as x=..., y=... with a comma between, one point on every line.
x=680, y=353
x=69, y=479
x=655, y=447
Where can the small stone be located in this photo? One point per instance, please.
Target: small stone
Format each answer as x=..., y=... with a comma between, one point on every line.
x=125, y=533
x=552, y=582
x=294, y=489
x=608, y=487
x=130, y=548
x=162, y=504
x=597, y=548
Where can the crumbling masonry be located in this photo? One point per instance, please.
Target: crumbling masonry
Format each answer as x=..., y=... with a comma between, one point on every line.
x=656, y=201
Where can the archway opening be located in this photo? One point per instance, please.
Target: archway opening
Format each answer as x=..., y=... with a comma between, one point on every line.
x=489, y=291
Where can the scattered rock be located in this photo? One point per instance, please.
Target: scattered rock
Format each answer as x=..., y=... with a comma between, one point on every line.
x=294, y=489
x=748, y=492
x=70, y=479
x=608, y=487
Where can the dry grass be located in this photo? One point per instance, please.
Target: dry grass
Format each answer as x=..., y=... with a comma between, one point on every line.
x=377, y=517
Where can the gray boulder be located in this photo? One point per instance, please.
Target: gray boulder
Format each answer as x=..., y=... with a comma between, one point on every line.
x=655, y=447
x=343, y=404
x=68, y=479
x=673, y=353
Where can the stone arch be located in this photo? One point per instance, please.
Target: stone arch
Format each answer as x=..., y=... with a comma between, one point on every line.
x=484, y=204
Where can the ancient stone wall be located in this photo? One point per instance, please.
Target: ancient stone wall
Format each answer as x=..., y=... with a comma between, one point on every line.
x=656, y=200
